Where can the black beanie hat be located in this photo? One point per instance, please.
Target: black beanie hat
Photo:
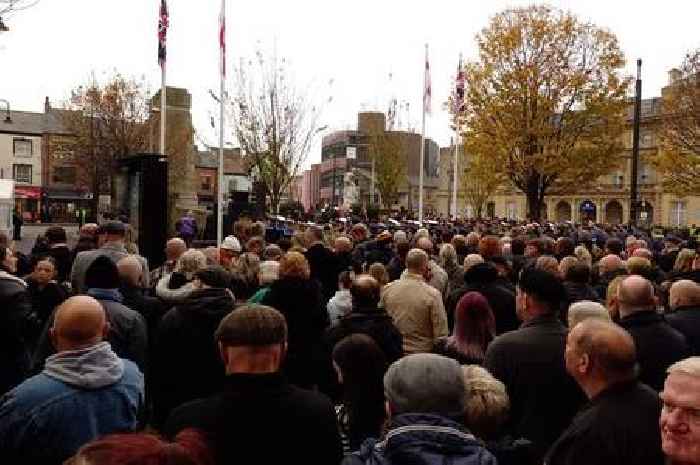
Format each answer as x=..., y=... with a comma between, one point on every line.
x=214, y=276
x=102, y=274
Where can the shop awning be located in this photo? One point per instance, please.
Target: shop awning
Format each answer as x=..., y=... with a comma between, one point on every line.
x=27, y=192
x=68, y=194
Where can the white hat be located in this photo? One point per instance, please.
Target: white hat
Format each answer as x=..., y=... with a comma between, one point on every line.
x=231, y=243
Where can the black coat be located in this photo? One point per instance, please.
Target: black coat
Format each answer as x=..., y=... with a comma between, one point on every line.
x=530, y=362
x=15, y=306
x=263, y=419
x=499, y=293
x=687, y=321
x=186, y=362
x=44, y=301
x=375, y=323
x=324, y=268
x=300, y=301
x=151, y=308
x=619, y=425
x=658, y=346
x=576, y=292
x=395, y=268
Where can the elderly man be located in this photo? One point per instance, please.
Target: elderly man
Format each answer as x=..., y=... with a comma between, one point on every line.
x=268, y=274
x=680, y=428
x=84, y=391
x=229, y=251
x=257, y=403
x=658, y=344
x=132, y=291
x=174, y=249
x=618, y=425
x=530, y=362
x=415, y=306
x=438, y=276
x=112, y=239
x=609, y=267
x=684, y=298
x=425, y=403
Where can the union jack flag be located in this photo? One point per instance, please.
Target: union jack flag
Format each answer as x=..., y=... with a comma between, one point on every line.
x=163, y=23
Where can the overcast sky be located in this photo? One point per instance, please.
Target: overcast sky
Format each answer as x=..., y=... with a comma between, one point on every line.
x=54, y=46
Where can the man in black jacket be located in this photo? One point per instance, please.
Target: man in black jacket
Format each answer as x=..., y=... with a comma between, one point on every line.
x=658, y=344
x=322, y=261
x=131, y=277
x=365, y=318
x=619, y=423
x=257, y=415
x=530, y=362
x=186, y=364
x=684, y=298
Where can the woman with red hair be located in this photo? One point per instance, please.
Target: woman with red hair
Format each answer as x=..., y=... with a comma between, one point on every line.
x=474, y=329
x=188, y=448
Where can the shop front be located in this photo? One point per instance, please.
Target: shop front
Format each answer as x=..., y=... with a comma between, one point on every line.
x=67, y=206
x=28, y=203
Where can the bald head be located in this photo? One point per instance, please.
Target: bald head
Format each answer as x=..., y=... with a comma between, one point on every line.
x=174, y=248
x=365, y=292
x=606, y=352
x=636, y=294
x=79, y=322
x=130, y=270
x=610, y=263
x=684, y=293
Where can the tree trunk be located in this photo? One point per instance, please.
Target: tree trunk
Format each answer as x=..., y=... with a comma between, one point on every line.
x=534, y=205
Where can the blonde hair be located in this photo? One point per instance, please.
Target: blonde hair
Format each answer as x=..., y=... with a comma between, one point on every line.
x=689, y=366
x=378, y=272
x=471, y=260
x=548, y=263
x=566, y=263
x=583, y=255
x=684, y=260
x=294, y=265
x=190, y=262
x=611, y=296
x=487, y=403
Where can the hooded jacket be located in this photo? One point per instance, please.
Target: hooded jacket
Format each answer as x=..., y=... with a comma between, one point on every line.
x=15, y=306
x=127, y=332
x=79, y=396
x=339, y=306
x=423, y=439
x=186, y=362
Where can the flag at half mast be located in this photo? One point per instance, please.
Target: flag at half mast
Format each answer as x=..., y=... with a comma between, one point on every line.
x=163, y=23
x=222, y=39
x=459, y=90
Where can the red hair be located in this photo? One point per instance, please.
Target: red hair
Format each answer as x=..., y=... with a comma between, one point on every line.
x=489, y=247
x=475, y=326
x=189, y=448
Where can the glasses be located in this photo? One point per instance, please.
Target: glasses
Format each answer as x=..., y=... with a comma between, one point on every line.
x=689, y=414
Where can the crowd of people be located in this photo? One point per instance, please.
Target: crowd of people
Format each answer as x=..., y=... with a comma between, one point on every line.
x=463, y=344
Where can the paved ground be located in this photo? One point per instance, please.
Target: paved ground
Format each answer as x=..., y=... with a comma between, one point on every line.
x=31, y=231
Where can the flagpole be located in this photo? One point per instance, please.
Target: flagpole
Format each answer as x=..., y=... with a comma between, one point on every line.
x=422, y=147
x=162, y=109
x=222, y=75
x=454, y=176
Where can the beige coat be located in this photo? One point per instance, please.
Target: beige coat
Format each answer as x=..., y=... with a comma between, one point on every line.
x=417, y=311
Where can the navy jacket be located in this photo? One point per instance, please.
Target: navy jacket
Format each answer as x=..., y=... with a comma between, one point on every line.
x=423, y=439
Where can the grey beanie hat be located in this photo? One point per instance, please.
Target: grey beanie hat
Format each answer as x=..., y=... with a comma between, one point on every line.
x=425, y=383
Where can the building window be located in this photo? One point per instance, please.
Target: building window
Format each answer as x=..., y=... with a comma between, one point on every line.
x=22, y=148
x=677, y=213
x=22, y=173
x=511, y=211
x=64, y=175
x=206, y=183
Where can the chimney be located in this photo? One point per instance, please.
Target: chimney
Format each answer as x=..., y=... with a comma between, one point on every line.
x=674, y=75
x=47, y=105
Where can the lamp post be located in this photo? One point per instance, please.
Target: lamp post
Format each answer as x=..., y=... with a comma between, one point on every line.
x=634, y=201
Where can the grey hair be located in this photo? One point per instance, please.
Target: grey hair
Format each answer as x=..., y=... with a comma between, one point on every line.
x=689, y=366
x=269, y=272
x=190, y=262
x=583, y=255
x=587, y=309
x=416, y=259
x=471, y=260
x=448, y=254
x=487, y=402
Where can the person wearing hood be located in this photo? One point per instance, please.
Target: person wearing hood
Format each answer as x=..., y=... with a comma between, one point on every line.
x=127, y=331
x=484, y=279
x=84, y=391
x=176, y=287
x=425, y=404
x=16, y=307
x=186, y=365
